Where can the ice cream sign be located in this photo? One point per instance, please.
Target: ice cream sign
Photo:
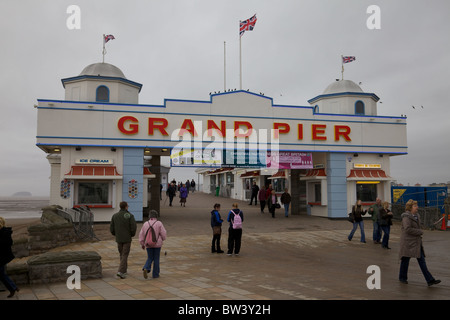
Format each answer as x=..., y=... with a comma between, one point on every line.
x=93, y=161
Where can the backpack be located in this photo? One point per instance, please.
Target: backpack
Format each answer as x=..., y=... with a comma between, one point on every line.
x=237, y=221
x=150, y=237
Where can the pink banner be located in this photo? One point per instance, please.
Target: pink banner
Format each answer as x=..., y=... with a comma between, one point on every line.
x=289, y=160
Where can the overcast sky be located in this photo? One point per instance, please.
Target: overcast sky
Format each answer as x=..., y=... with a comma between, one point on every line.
x=175, y=48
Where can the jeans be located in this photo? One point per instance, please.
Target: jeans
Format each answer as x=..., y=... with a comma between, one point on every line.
x=6, y=280
x=361, y=227
x=404, y=264
x=153, y=255
x=286, y=209
x=376, y=231
x=386, y=231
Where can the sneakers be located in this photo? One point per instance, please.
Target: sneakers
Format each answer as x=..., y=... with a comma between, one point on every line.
x=121, y=275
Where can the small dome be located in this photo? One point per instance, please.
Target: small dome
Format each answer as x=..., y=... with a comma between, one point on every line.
x=102, y=69
x=342, y=86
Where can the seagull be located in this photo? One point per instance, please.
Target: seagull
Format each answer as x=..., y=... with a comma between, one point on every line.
x=422, y=107
x=413, y=107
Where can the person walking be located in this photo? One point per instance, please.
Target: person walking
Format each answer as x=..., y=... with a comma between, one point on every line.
x=272, y=202
x=357, y=213
x=183, y=195
x=262, y=198
x=6, y=255
x=123, y=227
x=285, y=201
x=385, y=224
x=255, y=190
x=153, y=249
x=193, y=185
x=216, y=225
x=235, y=218
x=411, y=245
x=171, y=192
x=374, y=211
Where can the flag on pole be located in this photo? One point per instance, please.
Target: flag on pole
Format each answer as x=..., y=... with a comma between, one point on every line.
x=106, y=38
x=247, y=25
x=348, y=59
x=109, y=37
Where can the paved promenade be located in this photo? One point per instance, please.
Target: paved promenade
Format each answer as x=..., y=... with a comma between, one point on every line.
x=299, y=257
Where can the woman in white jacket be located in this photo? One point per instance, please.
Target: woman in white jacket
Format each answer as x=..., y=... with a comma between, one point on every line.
x=153, y=249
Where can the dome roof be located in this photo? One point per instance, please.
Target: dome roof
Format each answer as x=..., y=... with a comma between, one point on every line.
x=102, y=69
x=342, y=86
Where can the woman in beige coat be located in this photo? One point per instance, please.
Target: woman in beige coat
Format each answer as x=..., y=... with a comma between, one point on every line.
x=411, y=244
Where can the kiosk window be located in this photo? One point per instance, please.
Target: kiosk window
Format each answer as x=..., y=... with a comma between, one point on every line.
x=93, y=193
x=366, y=192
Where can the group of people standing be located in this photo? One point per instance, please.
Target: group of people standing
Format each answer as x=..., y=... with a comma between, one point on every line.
x=235, y=218
x=411, y=245
x=268, y=195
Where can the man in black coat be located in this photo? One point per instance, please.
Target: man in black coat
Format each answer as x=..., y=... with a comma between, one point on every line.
x=255, y=190
x=6, y=256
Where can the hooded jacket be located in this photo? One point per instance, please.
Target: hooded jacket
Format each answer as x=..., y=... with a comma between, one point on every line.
x=411, y=236
x=6, y=242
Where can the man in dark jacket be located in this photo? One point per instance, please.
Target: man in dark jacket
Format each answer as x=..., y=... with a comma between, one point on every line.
x=255, y=190
x=6, y=256
x=171, y=191
x=123, y=226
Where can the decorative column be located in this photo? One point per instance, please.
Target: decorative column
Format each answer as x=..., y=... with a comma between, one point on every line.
x=336, y=185
x=133, y=183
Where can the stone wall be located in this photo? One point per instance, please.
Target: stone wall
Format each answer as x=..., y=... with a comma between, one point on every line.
x=53, y=231
x=52, y=267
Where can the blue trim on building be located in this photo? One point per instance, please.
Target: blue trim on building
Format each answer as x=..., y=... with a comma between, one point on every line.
x=332, y=95
x=63, y=81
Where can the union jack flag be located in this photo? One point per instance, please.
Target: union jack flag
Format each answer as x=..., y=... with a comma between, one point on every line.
x=109, y=37
x=348, y=59
x=248, y=24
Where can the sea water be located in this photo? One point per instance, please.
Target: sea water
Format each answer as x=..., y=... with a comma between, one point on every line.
x=22, y=207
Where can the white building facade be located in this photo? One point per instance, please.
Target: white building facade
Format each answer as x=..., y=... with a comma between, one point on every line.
x=104, y=147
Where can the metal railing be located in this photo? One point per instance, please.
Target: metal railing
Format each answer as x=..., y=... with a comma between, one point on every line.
x=82, y=220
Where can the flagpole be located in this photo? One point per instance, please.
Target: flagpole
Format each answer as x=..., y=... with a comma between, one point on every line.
x=103, y=52
x=224, y=67
x=342, y=62
x=240, y=59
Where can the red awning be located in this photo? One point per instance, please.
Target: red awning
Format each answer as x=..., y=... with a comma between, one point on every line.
x=313, y=174
x=94, y=172
x=368, y=174
x=250, y=174
x=219, y=170
x=316, y=173
x=279, y=174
